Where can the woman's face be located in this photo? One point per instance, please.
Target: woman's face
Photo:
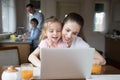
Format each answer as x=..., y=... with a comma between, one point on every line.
x=70, y=31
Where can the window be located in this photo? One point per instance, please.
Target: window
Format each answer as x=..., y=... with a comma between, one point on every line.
x=99, y=18
x=8, y=16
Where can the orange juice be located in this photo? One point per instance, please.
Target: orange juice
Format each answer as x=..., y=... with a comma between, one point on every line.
x=27, y=74
x=96, y=69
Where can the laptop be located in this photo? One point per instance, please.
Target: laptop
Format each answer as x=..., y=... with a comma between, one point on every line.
x=66, y=63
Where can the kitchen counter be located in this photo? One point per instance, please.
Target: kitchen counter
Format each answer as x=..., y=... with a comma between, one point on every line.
x=15, y=41
x=23, y=46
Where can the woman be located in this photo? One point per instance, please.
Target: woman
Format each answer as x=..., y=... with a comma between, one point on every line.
x=72, y=29
x=71, y=34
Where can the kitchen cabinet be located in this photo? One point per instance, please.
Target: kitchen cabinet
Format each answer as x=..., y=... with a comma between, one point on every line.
x=23, y=46
x=112, y=51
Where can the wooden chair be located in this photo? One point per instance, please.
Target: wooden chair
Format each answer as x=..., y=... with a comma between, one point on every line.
x=9, y=56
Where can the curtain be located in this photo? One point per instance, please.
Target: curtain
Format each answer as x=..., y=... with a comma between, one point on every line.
x=8, y=16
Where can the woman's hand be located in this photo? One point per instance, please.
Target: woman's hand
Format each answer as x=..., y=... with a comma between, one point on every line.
x=99, y=59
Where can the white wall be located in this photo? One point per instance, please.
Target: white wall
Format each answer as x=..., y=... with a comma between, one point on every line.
x=115, y=13
x=21, y=13
x=48, y=8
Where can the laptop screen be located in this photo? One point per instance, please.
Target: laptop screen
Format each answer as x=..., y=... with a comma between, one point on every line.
x=66, y=63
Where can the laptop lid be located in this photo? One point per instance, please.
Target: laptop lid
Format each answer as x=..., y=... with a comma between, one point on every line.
x=66, y=63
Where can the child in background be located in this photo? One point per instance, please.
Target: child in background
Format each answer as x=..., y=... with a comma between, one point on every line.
x=50, y=38
x=33, y=34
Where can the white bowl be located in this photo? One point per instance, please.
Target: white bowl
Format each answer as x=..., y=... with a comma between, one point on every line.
x=11, y=75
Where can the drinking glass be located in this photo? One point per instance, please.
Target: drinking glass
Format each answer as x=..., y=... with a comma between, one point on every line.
x=26, y=71
x=96, y=69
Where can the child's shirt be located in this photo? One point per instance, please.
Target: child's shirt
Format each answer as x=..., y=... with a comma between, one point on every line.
x=44, y=44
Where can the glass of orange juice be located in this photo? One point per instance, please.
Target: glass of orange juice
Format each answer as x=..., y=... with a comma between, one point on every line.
x=96, y=69
x=26, y=71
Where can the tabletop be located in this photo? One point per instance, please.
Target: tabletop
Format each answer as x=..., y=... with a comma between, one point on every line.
x=106, y=70
x=14, y=41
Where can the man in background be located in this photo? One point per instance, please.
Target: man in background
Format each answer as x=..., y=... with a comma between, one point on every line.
x=33, y=13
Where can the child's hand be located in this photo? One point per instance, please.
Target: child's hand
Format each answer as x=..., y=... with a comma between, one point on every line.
x=24, y=37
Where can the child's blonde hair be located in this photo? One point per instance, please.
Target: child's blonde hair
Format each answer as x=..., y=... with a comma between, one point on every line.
x=46, y=25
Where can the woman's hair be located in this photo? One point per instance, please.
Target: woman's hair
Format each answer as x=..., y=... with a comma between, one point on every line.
x=34, y=20
x=47, y=24
x=75, y=18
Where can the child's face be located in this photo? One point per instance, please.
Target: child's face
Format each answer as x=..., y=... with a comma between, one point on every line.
x=33, y=24
x=53, y=32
